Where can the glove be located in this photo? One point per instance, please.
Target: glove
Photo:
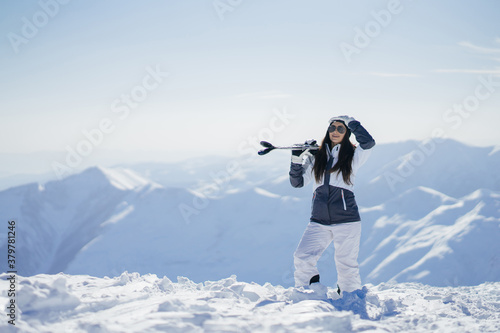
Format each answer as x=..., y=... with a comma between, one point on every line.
x=312, y=143
x=299, y=154
x=345, y=119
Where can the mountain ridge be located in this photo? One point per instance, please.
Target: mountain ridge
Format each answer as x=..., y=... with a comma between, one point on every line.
x=105, y=220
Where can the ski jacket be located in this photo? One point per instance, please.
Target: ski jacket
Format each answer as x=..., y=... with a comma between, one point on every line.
x=333, y=200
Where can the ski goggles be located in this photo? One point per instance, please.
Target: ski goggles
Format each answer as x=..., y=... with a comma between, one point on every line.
x=339, y=128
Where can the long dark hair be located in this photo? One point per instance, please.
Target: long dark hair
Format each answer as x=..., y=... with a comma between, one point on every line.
x=344, y=163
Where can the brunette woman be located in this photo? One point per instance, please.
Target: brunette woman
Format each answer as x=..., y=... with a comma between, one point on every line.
x=334, y=215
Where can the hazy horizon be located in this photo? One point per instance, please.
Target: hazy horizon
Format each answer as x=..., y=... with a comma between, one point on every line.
x=190, y=76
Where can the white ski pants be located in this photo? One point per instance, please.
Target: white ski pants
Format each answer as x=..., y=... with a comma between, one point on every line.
x=316, y=238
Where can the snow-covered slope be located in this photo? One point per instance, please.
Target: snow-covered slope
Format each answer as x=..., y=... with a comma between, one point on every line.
x=147, y=303
x=247, y=221
x=454, y=242
x=56, y=220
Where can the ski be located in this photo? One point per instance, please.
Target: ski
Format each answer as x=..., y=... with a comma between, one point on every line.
x=269, y=147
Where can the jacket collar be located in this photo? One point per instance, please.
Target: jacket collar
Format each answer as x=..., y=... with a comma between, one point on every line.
x=334, y=152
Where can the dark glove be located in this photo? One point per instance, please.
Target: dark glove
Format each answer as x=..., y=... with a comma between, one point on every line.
x=312, y=143
x=299, y=154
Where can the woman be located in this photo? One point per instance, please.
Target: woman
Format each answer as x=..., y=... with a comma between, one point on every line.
x=334, y=215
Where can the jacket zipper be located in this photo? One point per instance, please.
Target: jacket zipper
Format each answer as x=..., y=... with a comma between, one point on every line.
x=343, y=200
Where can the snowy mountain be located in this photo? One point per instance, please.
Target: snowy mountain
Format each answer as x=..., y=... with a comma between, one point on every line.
x=208, y=219
x=453, y=243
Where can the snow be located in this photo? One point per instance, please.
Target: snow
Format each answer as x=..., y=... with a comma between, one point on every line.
x=147, y=303
x=125, y=179
x=428, y=256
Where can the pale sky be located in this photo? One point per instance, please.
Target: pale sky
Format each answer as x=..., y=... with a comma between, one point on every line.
x=192, y=77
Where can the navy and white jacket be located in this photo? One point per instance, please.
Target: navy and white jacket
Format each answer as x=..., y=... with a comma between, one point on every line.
x=333, y=200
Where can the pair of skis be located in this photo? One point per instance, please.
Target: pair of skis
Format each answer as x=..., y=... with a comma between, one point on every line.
x=269, y=147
